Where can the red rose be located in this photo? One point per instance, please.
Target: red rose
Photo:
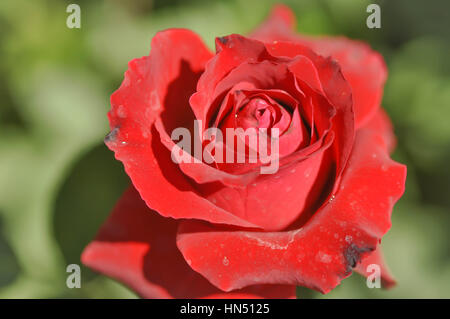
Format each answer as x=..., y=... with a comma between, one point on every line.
x=211, y=228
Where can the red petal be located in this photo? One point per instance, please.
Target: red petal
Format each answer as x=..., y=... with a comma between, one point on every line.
x=275, y=201
x=362, y=67
x=159, y=86
x=278, y=26
x=325, y=76
x=137, y=247
x=382, y=123
x=232, y=50
x=325, y=250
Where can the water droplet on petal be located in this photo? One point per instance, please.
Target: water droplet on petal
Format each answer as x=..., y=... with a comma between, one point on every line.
x=121, y=112
x=155, y=104
x=308, y=172
x=323, y=257
x=126, y=80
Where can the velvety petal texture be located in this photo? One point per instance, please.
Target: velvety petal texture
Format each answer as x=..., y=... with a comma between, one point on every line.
x=137, y=247
x=154, y=88
x=322, y=252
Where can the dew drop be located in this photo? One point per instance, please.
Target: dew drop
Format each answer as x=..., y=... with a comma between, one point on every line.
x=225, y=261
x=323, y=257
x=121, y=112
x=155, y=104
x=308, y=172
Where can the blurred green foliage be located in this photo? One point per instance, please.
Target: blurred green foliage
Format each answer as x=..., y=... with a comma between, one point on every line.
x=58, y=182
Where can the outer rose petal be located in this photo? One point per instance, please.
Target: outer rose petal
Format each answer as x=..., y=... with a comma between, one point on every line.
x=362, y=67
x=376, y=257
x=137, y=247
x=325, y=250
x=159, y=86
x=382, y=123
x=278, y=25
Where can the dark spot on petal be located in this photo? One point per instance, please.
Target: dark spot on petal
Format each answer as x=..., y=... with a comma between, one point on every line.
x=223, y=40
x=111, y=137
x=353, y=254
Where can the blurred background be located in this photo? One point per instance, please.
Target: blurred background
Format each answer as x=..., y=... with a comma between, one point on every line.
x=58, y=182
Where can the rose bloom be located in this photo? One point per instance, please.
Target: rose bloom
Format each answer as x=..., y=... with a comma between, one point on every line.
x=216, y=230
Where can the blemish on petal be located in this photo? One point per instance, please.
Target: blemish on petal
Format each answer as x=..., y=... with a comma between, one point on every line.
x=112, y=136
x=352, y=255
x=223, y=40
x=348, y=239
